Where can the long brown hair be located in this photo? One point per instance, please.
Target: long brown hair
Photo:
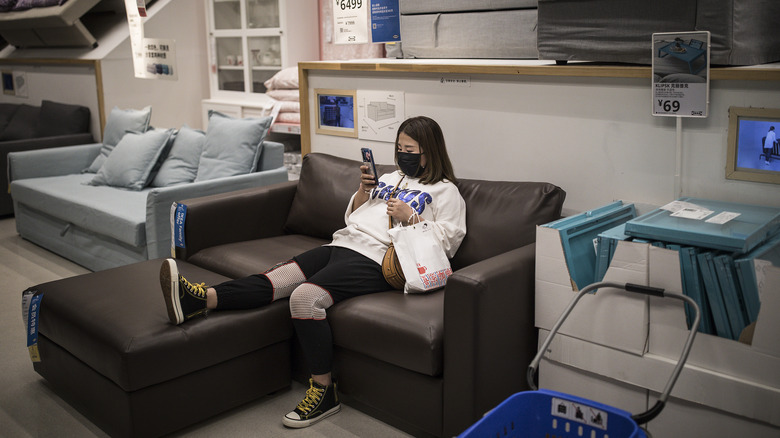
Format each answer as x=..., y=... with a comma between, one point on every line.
x=426, y=132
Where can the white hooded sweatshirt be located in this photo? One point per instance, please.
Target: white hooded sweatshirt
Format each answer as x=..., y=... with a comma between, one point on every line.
x=439, y=203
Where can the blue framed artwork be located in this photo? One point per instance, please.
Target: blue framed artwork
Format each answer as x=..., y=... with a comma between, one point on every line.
x=336, y=112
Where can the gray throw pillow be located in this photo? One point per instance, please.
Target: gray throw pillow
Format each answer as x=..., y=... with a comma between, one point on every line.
x=119, y=122
x=232, y=146
x=131, y=162
x=181, y=164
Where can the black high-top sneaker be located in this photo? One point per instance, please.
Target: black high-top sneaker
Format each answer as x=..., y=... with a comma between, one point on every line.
x=183, y=299
x=321, y=402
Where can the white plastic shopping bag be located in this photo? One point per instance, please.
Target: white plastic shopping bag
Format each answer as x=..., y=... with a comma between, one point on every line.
x=422, y=258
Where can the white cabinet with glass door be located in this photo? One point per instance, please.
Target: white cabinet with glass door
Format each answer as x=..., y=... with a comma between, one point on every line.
x=251, y=40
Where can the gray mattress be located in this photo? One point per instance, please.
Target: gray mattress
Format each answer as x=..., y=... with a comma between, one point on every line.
x=486, y=34
x=743, y=32
x=435, y=6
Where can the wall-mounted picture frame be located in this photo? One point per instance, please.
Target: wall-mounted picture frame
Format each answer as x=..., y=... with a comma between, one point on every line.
x=336, y=112
x=8, y=83
x=753, y=148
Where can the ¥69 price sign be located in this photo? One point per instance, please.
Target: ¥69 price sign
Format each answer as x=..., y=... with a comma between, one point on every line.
x=681, y=74
x=350, y=22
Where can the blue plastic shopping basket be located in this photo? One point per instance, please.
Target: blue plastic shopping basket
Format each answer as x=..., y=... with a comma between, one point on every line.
x=545, y=413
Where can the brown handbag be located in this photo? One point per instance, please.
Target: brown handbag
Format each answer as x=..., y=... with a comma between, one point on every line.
x=391, y=267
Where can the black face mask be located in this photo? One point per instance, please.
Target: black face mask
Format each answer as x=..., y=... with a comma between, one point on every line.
x=410, y=164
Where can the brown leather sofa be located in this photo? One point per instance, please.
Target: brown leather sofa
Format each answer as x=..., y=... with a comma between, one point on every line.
x=429, y=364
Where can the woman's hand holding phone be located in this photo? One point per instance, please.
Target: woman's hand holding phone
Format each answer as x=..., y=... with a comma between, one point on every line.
x=367, y=180
x=368, y=176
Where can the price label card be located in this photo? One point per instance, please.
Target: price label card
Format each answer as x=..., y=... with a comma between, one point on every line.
x=350, y=21
x=681, y=67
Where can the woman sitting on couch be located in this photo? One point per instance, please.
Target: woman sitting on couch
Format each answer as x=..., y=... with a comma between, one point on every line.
x=422, y=189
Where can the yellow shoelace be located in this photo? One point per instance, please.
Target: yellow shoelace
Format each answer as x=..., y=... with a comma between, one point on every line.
x=198, y=290
x=313, y=396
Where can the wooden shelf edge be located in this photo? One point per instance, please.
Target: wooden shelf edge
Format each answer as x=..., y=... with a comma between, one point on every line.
x=520, y=69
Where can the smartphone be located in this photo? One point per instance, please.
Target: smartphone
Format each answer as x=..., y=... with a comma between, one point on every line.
x=368, y=159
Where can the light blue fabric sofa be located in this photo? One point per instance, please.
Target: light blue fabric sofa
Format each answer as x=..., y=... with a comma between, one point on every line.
x=101, y=227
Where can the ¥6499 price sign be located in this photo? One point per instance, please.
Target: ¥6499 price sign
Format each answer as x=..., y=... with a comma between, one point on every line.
x=349, y=4
x=350, y=22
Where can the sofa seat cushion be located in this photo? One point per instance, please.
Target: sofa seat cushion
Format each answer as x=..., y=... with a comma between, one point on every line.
x=115, y=321
x=406, y=330
x=120, y=214
x=241, y=259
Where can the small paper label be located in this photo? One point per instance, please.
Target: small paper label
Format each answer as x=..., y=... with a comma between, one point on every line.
x=692, y=213
x=722, y=217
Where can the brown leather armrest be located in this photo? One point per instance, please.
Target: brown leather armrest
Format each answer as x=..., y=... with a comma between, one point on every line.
x=490, y=335
x=236, y=216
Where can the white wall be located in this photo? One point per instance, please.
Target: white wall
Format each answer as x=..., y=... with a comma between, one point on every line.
x=174, y=103
x=594, y=137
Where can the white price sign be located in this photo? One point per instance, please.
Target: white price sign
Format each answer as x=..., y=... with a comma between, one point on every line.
x=681, y=67
x=350, y=21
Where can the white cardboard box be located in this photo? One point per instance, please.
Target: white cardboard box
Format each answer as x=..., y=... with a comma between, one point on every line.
x=637, y=341
x=609, y=317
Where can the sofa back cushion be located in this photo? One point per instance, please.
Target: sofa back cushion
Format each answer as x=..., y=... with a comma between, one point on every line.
x=7, y=111
x=232, y=146
x=62, y=119
x=23, y=124
x=502, y=215
x=326, y=184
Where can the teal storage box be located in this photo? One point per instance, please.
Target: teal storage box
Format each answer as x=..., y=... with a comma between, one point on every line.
x=726, y=226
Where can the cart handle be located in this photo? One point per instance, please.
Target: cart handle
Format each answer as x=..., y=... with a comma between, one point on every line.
x=651, y=413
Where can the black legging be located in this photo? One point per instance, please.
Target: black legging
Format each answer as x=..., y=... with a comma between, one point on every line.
x=314, y=281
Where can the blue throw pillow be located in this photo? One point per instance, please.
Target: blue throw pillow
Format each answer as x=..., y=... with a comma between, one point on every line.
x=120, y=122
x=232, y=146
x=181, y=164
x=132, y=161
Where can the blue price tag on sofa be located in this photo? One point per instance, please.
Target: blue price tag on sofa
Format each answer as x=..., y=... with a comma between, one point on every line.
x=178, y=218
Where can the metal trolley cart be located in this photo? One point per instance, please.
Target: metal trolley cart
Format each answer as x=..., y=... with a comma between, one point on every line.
x=545, y=413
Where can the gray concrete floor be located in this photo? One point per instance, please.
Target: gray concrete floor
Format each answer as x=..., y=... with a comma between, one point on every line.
x=29, y=408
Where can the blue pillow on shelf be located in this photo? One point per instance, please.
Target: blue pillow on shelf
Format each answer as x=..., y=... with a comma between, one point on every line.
x=232, y=146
